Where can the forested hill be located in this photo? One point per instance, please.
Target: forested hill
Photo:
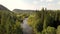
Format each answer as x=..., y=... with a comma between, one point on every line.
x=3, y=8
x=23, y=11
x=9, y=23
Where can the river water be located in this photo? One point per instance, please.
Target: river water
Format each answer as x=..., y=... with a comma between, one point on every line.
x=26, y=28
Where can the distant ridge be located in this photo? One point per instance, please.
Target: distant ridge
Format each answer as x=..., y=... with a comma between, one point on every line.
x=3, y=8
x=23, y=11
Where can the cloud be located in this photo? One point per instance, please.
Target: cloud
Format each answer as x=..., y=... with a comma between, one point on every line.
x=49, y=0
x=28, y=4
x=50, y=6
x=53, y=7
x=35, y=2
x=12, y=4
x=58, y=3
x=41, y=0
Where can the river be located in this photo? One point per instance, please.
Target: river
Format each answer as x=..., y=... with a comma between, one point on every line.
x=26, y=28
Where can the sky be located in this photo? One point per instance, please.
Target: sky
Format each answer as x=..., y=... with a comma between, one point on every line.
x=31, y=4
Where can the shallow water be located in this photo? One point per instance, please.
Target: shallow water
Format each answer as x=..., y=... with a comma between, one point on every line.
x=26, y=28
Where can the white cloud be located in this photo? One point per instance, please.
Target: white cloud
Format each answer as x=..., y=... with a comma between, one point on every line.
x=41, y=0
x=49, y=0
x=49, y=6
x=12, y=4
x=58, y=3
x=35, y=2
x=52, y=7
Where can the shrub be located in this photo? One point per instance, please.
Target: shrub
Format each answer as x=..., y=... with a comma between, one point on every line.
x=49, y=30
x=58, y=30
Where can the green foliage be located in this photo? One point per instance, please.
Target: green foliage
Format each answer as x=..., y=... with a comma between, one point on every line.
x=58, y=30
x=35, y=22
x=42, y=22
x=49, y=30
x=42, y=19
x=9, y=23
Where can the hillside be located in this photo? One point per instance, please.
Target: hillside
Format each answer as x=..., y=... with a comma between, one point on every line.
x=9, y=23
x=3, y=8
x=23, y=11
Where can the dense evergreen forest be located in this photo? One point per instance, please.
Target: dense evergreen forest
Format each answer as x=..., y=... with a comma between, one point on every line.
x=42, y=22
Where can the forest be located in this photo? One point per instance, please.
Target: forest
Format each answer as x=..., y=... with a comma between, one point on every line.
x=42, y=22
